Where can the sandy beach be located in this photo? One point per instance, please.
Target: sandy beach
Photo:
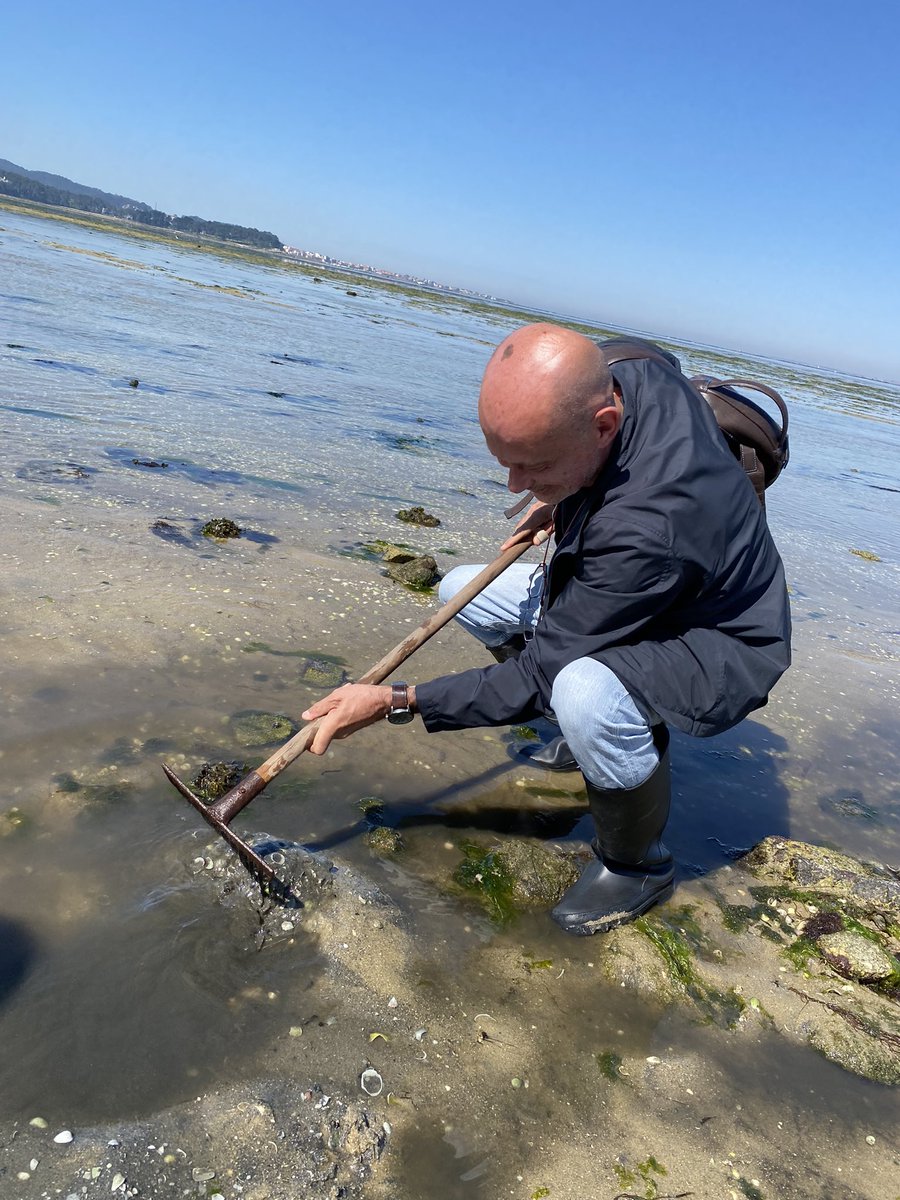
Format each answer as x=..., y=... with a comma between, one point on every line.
x=139, y=1009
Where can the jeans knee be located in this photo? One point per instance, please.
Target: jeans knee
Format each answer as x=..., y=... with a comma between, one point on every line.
x=570, y=701
x=453, y=582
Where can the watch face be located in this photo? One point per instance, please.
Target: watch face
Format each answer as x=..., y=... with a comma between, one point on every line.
x=400, y=716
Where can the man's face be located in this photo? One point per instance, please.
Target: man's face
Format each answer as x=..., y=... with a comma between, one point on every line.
x=551, y=465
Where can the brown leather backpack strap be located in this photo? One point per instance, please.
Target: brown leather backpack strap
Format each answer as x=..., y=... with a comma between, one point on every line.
x=627, y=352
x=759, y=387
x=755, y=470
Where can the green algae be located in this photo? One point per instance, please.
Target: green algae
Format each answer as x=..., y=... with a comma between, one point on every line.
x=214, y=779
x=255, y=728
x=484, y=874
x=322, y=672
x=610, y=1064
x=737, y=917
x=525, y=733
x=641, y=1176
x=677, y=937
x=220, y=528
x=371, y=807
x=866, y=554
x=384, y=841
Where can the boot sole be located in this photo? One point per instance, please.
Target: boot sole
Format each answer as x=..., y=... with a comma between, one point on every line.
x=604, y=924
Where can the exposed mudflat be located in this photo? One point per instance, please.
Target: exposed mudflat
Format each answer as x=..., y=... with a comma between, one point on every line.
x=187, y=1040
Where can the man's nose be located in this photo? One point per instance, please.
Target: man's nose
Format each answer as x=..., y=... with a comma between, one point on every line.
x=515, y=480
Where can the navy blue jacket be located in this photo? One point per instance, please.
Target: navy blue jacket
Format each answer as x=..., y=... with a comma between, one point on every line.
x=664, y=570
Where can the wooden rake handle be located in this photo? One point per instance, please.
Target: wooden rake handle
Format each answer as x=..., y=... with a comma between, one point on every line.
x=229, y=805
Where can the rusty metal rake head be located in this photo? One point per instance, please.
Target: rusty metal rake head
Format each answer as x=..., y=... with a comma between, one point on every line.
x=220, y=812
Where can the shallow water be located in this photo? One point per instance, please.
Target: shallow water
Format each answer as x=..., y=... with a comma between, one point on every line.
x=309, y=417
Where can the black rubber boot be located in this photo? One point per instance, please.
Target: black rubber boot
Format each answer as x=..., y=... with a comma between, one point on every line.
x=554, y=755
x=633, y=869
x=509, y=649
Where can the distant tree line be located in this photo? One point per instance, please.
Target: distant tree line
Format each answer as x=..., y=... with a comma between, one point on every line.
x=30, y=189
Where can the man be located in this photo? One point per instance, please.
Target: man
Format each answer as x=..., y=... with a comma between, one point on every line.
x=664, y=602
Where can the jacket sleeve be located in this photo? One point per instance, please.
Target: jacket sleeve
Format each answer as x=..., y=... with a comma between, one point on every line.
x=623, y=582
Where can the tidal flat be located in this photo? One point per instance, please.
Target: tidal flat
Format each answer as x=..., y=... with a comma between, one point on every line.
x=137, y=1004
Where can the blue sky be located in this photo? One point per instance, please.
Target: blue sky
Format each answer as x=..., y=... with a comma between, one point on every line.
x=727, y=173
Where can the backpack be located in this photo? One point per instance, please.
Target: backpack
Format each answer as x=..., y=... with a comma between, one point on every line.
x=753, y=437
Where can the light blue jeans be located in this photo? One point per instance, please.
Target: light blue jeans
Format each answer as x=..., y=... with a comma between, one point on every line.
x=606, y=733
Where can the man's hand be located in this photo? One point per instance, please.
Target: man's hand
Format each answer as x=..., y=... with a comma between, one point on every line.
x=348, y=708
x=537, y=521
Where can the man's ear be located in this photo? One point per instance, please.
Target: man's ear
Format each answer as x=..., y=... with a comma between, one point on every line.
x=606, y=422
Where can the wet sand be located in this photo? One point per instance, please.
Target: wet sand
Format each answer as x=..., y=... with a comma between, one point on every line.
x=127, y=989
x=123, y=649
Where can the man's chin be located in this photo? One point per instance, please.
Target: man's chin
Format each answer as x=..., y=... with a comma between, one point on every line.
x=551, y=495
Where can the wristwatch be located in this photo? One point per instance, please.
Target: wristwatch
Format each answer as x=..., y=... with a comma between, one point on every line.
x=400, y=713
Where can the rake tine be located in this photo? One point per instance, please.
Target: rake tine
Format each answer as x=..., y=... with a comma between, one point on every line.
x=264, y=873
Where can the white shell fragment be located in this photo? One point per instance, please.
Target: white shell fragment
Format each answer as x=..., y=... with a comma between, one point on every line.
x=392, y=1003
x=64, y=1137
x=371, y=1082
x=117, y=1180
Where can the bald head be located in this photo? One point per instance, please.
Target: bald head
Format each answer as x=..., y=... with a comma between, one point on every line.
x=548, y=411
x=542, y=376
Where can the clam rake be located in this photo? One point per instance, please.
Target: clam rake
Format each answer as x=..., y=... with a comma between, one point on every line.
x=220, y=813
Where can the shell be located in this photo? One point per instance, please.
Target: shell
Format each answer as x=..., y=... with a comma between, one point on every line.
x=371, y=1082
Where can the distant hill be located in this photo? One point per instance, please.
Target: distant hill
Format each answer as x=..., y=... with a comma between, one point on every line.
x=60, y=192
x=67, y=185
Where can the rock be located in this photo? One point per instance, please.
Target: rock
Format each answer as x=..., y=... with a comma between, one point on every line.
x=419, y=572
x=254, y=728
x=515, y=875
x=320, y=672
x=134, y=383
x=221, y=527
x=815, y=868
x=417, y=516
x=397, y=554
x=540, y=875
x=384, y=841
x=214, y=779
x=148, y=462
x=857, y=957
